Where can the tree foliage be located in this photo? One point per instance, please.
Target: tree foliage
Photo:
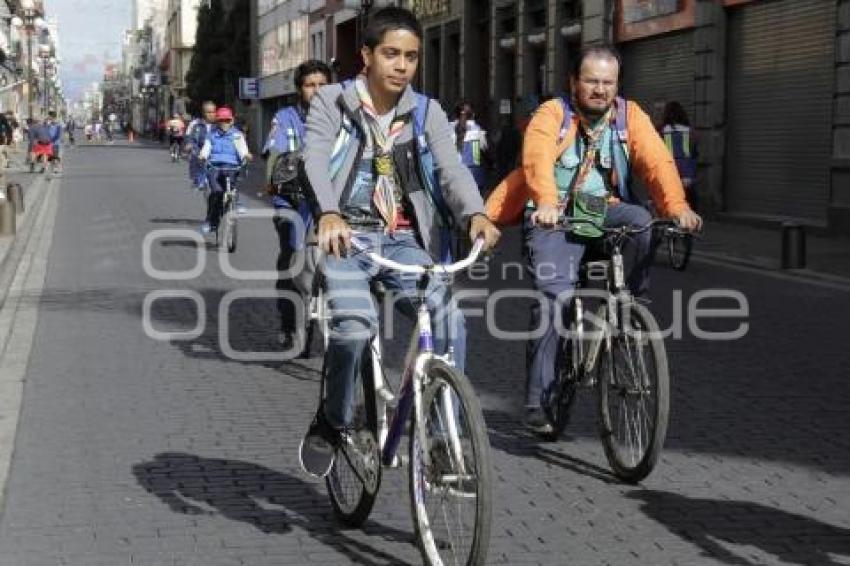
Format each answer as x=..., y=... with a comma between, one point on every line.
x=221, y=55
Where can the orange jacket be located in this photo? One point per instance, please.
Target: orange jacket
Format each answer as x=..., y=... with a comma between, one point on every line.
x=535, y=178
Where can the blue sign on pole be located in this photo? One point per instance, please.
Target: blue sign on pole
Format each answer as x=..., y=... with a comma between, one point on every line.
x=249, y=88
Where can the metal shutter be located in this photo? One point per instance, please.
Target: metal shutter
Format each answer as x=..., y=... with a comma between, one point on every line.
x=659, y=69
x=780, y=67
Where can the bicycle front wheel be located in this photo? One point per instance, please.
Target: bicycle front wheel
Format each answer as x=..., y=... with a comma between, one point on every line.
x=355, y=475
x=634, y=395
x=679, y=248
x=227, y=225
x=450, y=485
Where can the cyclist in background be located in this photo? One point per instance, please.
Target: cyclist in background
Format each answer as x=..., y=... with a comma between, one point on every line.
x=176, y=132
x=224, y=146
x=286, y=138
x=196, y=135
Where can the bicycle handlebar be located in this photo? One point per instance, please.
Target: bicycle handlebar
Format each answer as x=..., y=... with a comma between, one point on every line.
x=226, y=167
x=565, y=221
x=446, y=268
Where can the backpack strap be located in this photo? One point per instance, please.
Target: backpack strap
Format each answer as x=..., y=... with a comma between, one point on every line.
x=429, y=176
x=567, y=121
x=622, y=162
x=347, y=133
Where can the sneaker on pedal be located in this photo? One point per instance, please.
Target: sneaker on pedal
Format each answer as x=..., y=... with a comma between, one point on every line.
x=537, y=422
x=206, y=228
x=318, y=447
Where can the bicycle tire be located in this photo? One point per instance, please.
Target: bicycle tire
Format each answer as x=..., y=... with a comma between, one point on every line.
x=679, y=247
x=437, y=372
x=228, y=224
x=353, y=508
x=622, y=381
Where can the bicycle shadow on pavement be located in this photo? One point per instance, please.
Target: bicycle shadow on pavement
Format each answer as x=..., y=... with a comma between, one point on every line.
x=714, y=524
x=507, y=434
x=249, y=335
x=271, y=501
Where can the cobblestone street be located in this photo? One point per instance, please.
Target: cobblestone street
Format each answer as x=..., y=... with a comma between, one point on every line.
x=131, y=450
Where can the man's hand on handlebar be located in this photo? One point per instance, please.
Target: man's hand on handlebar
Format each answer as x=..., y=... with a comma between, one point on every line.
x=480, y=226
x=334, y=234
x=546, y=215
x=689, y=221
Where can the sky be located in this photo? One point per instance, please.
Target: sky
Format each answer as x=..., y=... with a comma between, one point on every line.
x=90, y=34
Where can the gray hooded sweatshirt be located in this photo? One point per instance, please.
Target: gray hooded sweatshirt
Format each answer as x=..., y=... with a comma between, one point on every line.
x=324, y=122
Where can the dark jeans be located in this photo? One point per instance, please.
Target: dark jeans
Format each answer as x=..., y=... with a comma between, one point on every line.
x=553, y=259
x=217, y=180
x=284, y=261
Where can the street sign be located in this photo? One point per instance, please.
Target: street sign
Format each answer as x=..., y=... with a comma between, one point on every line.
x=249, y=88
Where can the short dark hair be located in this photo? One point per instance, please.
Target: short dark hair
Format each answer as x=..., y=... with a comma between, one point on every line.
x=598, y=51
x=459, y=107
x=388, y=19
x=308, y=68
x=674, y=113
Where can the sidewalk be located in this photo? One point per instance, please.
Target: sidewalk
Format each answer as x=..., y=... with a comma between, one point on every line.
x=33, y=185
x=762, y=248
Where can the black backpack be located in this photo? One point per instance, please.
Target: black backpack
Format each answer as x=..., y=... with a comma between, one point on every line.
x=285, y=178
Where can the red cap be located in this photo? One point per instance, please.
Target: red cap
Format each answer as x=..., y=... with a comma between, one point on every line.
x=223, y=113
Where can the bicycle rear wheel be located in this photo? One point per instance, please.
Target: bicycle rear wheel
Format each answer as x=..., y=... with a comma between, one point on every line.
x=451, y=493
x=679, y=247
x=634, y=395
x=355, y=475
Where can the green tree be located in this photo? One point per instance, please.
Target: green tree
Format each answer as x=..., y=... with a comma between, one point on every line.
x=221, y=55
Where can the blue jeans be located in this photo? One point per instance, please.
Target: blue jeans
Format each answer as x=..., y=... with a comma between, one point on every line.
x=197, y=171
x=553, y=259
x=354, y=320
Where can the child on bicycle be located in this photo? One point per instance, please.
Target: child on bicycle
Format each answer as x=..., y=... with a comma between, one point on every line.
x=225, y=150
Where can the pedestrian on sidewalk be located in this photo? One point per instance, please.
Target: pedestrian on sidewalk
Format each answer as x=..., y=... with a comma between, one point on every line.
x=470, y=139
x=681, y=141
x=6, y=133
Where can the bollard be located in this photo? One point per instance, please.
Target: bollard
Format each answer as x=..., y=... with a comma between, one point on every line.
x=7, y=216
x=15, y=194
x=793, y=245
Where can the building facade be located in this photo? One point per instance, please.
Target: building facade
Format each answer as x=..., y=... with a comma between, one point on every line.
x=766, y=82
x=181, y=26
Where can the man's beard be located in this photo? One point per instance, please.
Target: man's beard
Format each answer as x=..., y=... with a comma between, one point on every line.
x=592, y=113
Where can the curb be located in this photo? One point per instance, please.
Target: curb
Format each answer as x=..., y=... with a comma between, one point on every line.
x=11, y=247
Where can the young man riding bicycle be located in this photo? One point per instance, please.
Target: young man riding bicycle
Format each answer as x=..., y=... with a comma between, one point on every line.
x=582, y=165
x=378, y=182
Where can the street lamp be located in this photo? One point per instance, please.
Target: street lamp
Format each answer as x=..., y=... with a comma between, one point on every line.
x=30, y=21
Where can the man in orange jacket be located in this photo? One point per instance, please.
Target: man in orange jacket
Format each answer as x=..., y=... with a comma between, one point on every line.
x=594, y=152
